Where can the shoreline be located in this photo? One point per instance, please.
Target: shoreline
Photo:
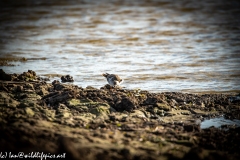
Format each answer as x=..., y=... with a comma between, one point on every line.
x=90, y=123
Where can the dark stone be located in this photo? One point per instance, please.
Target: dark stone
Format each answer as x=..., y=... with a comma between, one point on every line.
x=67, y=78
x=90, y=88
x=107, y=86
x=42, y=92
x=3, y=87
x=55, y=82
x=66, y=145
x=27, y=76
x=125, y=152
x=19, y=88
x=191, y=128
x=127, y=104
x=112, y=117
x=57, y=97
x=4, y=76
x=58, y=87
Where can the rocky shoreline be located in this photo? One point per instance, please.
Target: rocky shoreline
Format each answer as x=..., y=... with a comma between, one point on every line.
x=106, y=123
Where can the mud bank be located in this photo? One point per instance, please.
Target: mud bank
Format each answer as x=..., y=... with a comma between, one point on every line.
x=106, y=123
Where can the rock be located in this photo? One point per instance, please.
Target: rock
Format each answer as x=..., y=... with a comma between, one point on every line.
x=28, y=76
x=136, y=128
x=23, y=105
x=58, y=87
x=163, y=106
x=55, y=82
x=101, y=109
x=67, y=78
x=150, y=100
x=7, y=101
x=65, y=114
x=90, y=88
x=75, y=103
x=3, y=87
x=66, y=146
x=127, y=104
x=57, y=97
x=29, y=111
x=49, y=114
x=173, y=102
x=42, y=92
x=29, y=86
x=107, y=86
x=138, y=114
x=86, y=105
x=19, y=88
x=191, y=128
x=4, y=76
x=198, y=153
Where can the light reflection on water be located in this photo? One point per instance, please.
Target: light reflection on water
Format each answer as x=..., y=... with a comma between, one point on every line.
x=157, y=46
x=218, y=122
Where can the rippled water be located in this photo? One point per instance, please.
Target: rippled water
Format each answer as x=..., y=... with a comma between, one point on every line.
x=154, y=45
x=218, y=122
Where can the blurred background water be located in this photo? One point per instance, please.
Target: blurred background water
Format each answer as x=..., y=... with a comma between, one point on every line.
x=155, y=45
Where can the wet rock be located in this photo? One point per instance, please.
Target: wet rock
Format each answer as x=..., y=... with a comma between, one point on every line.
x=101, y=109
x=28, y=76
x=107, y=86
x=128, y=127
x=55, y=82
x=127, y=104
x=7, y=101
x=66, y=145
x=57, y=97
x=86, y=105
x=67, y=78
x=138, y=114
x=173, y=103
x=23, y=105
x=19, y=88
x=196, y=153
x=64, y=114
x=235, y=99
x=79, y=102
x=191, y=128
x=112, y=117
x=125, y=152
x=150, y=100
x=57, y=85
x=28, y=96
x=42, y=92
x=3, y=87
x=29, y=86
x=29, y=111
x=44, y=79
x=164, y=106
x=90, y=88
x=4, y=76
x=96, y=122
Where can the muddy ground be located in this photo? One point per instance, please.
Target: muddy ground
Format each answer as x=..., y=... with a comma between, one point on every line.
x=112, y=123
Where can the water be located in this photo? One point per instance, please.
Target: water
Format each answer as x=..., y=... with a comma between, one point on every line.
x=158, y=46
x=218, y=122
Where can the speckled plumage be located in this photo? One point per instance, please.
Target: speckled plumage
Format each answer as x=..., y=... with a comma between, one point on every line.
x=113, y=79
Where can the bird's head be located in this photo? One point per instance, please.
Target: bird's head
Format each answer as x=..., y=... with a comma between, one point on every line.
x=105, y=74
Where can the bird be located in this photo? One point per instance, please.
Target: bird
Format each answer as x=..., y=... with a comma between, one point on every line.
x=113, y=79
